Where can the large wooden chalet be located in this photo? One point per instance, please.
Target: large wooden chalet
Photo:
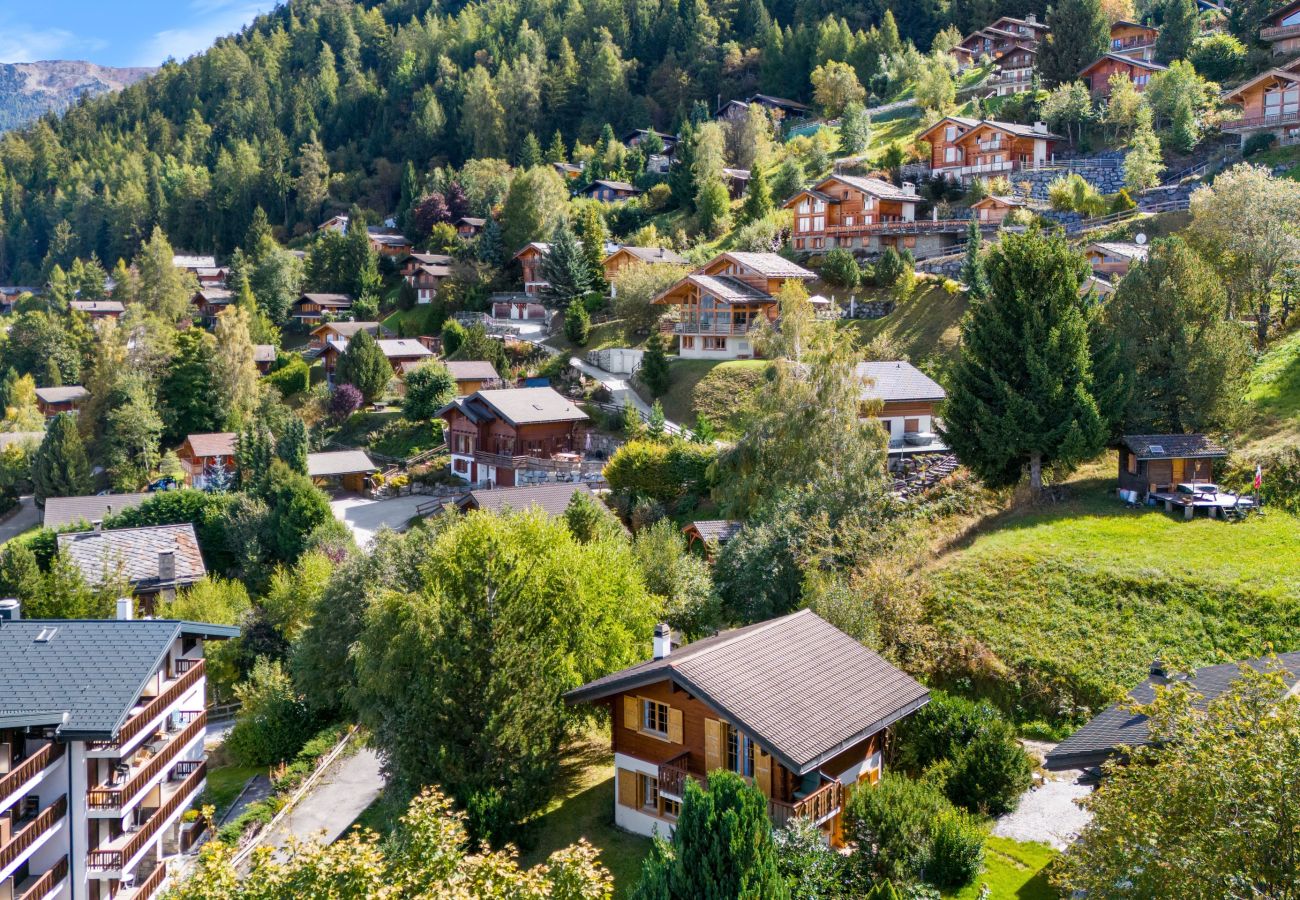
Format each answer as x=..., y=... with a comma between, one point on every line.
x=1097, y=75
x=207, y=456
x=999, y=38
x=962, y=148
x=530, y=261
x=1281, y=29
x=793, y=705
x=853, y=211
x=403, y=354
x=719, y=303
x=1269, y=103
x=492, y=434
x=211, y=302
x=311, y=308
x=1133, y=39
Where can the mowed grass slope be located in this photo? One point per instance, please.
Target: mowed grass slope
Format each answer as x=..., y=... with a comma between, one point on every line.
x=924, y=324
x=1274, y=395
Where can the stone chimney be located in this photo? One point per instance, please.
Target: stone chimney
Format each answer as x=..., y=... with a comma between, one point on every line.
x=1031, y=19
x=663, y=640
x=167, y=566
x=125, y=608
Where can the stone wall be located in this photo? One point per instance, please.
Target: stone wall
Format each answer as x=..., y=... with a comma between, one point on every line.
x=1104, y=172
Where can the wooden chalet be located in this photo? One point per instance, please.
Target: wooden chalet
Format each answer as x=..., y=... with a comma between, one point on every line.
x=311, y=308
x=962, y=147
x=637, y=136
x=337, y=223
x=780, y=107
x=1269, y=102
x=207, y=457
x=411, y=265
x=1155, y=463
x=54, y=400
x=627, y=256
x=552, y=499
x=530, y=261
x=719, y=303
x=905, y=401
x=492, y=434
x=210, y=302
x=999, y=38
x=1015, y=70
x=426, y=280
x=609, y=191
x=568, y=171
x=192, y=263
x=793, y=705
x=710, y=534
x=1097, y=74
x=153, y=561
x=1281, y=29
x=98, y=309
x=994, y=209
x=470, y=226
x=343, y=331
x=472, y=376
x=1113, y=259
x=1133, y=39
x=403, y=354
x=388, y=243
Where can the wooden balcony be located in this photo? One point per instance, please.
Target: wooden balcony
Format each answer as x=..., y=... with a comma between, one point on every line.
x=1270, y=120
x=30, y=833
x=697, y=326
x=819, y=806
x=122, y=849
x=900, y=226
x=1278, y=32
x=673, y=775
x=109, y=797
x=46, y=883
x=147, y=888
x=29, y=768
x=185, y=680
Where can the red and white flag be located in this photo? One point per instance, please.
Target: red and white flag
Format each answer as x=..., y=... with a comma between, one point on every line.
x=1259, y=477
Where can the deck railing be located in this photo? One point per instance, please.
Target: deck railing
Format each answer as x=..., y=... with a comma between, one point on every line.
x=154, y=708
x=818, y=806
x=43, y=822
x=1277, y=32
x=147, y=888
x=29, y=767
x=694, y=326
x=1268, y=120
x=46, y=883
x=115, y=797
x=673, y=775
x=113, y=860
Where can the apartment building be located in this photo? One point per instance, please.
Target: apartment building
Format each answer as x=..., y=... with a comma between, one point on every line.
x=101, y=752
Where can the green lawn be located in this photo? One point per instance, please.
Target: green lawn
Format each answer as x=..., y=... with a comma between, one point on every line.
x=1274, y=392
x=925, y=324
x=602, y=337
x=408, y=322
x=388, y=433
x=680, y=401
x=1013, y=870
x=225, y=783
x=585, y=809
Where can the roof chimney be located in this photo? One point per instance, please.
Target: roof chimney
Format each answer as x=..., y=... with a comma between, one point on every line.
x=1158, y=670
x=1040, y=127
x=663, y=640
x=97, y=525
x=1031, y=19
x=125, y=608
x=11, y=610
x=167, y=566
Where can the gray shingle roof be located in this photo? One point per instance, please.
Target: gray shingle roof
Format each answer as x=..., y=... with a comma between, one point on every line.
x=1172, y=446
x=90, y=670
x=799, y=686
x=523, y=406
x=61, y=511
x=1115, y=726
x=335, y=300
x=472, y=370
x=132, y=553
x=94, y=306
x=876, y=187
x=62, y=394
x=770, y=265
x=339, y=462
x=552, y=499
x=898, y=380
x=349, y=329
x=263, y=353
x=716, y=530
x=729, y=289
x=654, y=255
x=1125, y=249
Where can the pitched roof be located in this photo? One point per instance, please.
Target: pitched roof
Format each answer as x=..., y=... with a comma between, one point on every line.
x=263, y=353
x=348, y=329
x=1014, y=128
x=215, y=295
x=432, y=259
x=1286, y=73
x=1137, y=61
x=541, y=247
x=186, y=261
x=614, y=185
x=1003, y=199
x=221, y=443
x=652, y=255
x=93, y=306
x=1126, y=249
x=403, y=347
x=472, y=370
x=778, y=101
x=62, y=394
x=87, y=674
x=133, y=553
x=389, y=240
x=1116, y=726
x=898, y=380
x=728, y=288
x=715, y=530
x=336, y=300
x=60, y=511
x=436, y=270
x=798, y=685
x=339, y=462
x=523, y=406
x=1173, y=446
x=876, y=187
x=552, y=499
x=769, y=265
x=474, y=221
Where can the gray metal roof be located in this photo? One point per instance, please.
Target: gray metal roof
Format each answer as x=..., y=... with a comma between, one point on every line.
x=62, y=394
x=132, y=553
x=90, y=670
x=471, y=370
x=60, y=511
x=653, y=254
x=524, y=406
x=798, y=685
x=770, y=265
x=729, y=289
x=552, y=499
x=897, y=380
x=1173, y=446
x=339, y=462
x=1116, y=726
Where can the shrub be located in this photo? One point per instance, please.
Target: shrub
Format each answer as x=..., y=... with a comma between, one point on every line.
x=273, y=722
x=1257, y=143
x=1121, y=201
x=293, y=377
x=841, y=269
x=956, y=850
x=345, y=400
x=812, y=870
x=658, y=471
x=991, y=772
x=1074, y=193
x=429, y=387
x=1218, y=57
x=577, y=322
x=890, y=268
x=656, y=198
x=940, y=729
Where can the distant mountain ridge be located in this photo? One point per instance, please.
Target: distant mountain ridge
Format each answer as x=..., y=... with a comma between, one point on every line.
x=29, y=90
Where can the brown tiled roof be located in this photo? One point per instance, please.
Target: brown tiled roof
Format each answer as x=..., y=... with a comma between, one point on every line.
x=552, y=499
x=472, y=370
x=1173, y=446
x=221, y=443
x=799, y=686
x=132, y=553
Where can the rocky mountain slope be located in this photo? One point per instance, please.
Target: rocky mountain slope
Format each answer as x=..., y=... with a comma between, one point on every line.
x=28, y=90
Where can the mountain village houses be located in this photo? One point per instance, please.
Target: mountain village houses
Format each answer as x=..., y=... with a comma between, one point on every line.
x=1281, y=29
x=1097, y=74
x=493, y=435
x=1269, y=102
x=962, y=147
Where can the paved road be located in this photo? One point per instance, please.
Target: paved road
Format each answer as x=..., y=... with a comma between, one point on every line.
x=24, y=517
x=617, y=384
x=350, y=785
x=365, y=516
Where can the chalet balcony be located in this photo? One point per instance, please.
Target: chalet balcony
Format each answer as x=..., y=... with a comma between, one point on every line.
x=112, y=798
x=819, y=806
x=1278, y=32
x=1264, y=122
x=42, y=884
x=32, y=831
x=187, y=674
x=115, y=857
x=23, y=776
x=894, y=225
x=699, y=326
x=1134, y=43
x=147, y=888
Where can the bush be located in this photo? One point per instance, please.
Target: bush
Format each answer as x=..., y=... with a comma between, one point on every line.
x=662, y=472
x=1074, y=193
x=991, y=773
x=841, y=269
x=1121, y=201
x=429, y=387
x=1218, y=57
x=812, y=870
x=273, y=722
x=344, y=401
x=1257, y=143
x=956, y=850
x=293, y=377
x=890, y=268
x=940, y=729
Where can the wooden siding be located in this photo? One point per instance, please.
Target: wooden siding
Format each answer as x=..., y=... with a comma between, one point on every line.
x=1098, y=75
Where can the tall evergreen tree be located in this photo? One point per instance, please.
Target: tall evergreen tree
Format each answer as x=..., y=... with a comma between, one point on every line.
x=758, y=197
x=364, y=366
x=530, y=152
x=1142, y=164
x=253, y=457
x=1021, y=395
x=972, y=269
x=566, y=267
x=592, y=232
x=60, y=467
x=291, y=446
x=556, y=153
x=1080, y=34
x=654, y=372
x=1178, y=30
x=191, y=399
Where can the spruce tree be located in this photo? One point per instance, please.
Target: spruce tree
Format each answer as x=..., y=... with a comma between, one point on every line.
x=654, y=366
x=577, y=323
x=592, y=232
x=291, y=447
x=60, y=467
x=972, y=270
x=530, y=152
x=758, y=197
x=556, y=153
x=1080, y=34
x=253, y=456
x=364, y=366
x=1022, y=389
x=566, y=267
x=657, y=426
x=1178, y=30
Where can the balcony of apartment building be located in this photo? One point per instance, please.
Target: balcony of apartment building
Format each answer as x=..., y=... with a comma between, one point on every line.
x=134, y=776
x=168, y=688
x=36, y=883
x=161, y=807
x=818, y=798
x=25, y=828
x=24, y=774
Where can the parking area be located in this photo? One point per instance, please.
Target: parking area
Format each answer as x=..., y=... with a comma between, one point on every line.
x=365, y=517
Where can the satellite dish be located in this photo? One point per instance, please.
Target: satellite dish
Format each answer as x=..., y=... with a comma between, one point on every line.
x=1140, y=239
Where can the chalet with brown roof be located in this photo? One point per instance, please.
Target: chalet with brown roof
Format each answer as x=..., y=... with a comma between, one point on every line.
x=1139, y=71
x=627, y=256
x=470, y=226
x=54, y=400
x=205, y=457
x=311, y=308
x=492, y=434
x=411, y=265
x=722, y=301
x=472, y=376
x=1113, y=259
x=426, y=280
x=1133, y=39
x=388, y=243
x=1000, y=37
x=962, y=147
x=1176, y=470
x=98, y=309
x=1281, y=29
x=994, y=209
x=211, y=302
x=609, y=191
x=793, y=705
x=1269, y=102
x=852, y=211
x=734, y=110
x=403, y=354
x=570, y=171
x=530, y=261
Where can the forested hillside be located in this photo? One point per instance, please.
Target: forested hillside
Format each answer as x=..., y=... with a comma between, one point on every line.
x=332, y=97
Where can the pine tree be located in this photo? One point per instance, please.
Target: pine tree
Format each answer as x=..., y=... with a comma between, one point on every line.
x=1185, y=131
x=972, y=270
x=758, y=198
x=633, y=424
x=1022, y=390
x=591, y=230
x=1080, y=34
x=1142, y=165
x=654, y=372
x=566, y=267
x=530, y=152
x=59, y=466
x=577, y=323
x=364, y=366
x=556, y=153
x=253, y=455
x=656, y=427
x=703, y=432
x=291, y=446
x=1178, y=30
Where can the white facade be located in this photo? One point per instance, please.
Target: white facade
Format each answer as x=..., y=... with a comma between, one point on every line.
x=895, y=425
x=714, y=346
x=636, y=821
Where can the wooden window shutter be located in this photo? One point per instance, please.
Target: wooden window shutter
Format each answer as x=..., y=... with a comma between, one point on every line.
x=763, y=772
x=674, y=725
x=627, y=787
x=712, y=745
x=631, y=712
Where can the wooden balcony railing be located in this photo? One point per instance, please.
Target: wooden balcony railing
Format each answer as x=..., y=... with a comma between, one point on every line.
x=818, y=806
x=47, y=819
x=1277, y=32
x=696, y=326
x=46, y=882
x=29, y=767
x=673, y=775
x=154, y=708
x=116, y=797
x=114, y=860
x=901, y=227
x=147, y=888
x=1268, y=120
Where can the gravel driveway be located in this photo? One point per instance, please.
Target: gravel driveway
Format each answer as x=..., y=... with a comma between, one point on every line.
x=1048, y=812
x=365, y=516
